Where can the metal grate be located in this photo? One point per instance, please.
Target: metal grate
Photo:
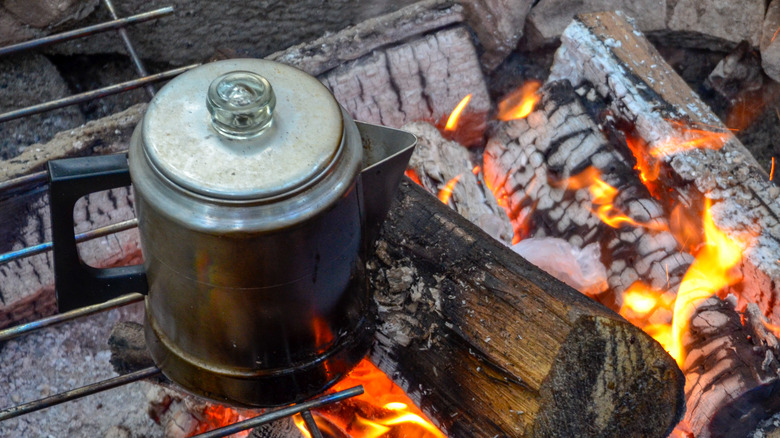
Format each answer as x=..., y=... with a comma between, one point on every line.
x=20, y=184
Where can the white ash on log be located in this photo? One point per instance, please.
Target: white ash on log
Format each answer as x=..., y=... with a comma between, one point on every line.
x=102, y=136
x=533, y=163
x=420, y=80
x=328, y=52
x=437, y=162
x=732, y=371
x=608, y=51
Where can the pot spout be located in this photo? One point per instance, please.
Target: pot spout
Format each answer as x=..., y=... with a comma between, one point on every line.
x=386, y=153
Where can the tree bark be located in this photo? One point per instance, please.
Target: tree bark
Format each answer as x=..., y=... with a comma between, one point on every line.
x=485, y=343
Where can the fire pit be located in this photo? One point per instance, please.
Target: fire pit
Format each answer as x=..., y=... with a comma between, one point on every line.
x=563, y=168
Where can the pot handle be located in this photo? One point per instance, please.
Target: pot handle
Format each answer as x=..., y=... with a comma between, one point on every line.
x=76, y=283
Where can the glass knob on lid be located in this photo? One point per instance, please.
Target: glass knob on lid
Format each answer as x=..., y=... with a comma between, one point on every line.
x=241, y=104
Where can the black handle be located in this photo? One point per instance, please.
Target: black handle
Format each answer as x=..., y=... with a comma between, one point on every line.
x=77, y=284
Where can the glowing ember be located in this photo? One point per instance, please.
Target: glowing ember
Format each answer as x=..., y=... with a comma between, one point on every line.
x=413, y=176
x=772, y=170
x=216, y=416
x=446, y=192
x=519, y=103
x=452, y=121
x=382, y=410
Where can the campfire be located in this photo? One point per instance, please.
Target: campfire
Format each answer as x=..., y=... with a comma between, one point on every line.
x=599, y=166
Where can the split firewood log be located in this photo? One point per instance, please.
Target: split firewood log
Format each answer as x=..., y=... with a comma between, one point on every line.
x=645, y=93
x=544, y=167
x=423, y=79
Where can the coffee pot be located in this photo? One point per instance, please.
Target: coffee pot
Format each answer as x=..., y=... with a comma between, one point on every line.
x=258, y=199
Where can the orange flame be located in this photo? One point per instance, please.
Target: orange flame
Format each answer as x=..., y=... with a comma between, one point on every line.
x=520, y=102
x=772, y=170
x=603, y=197
x=649, y=165
x=640, y=303
x=413, y=176
x=446, y=192
x=452, y=121
x=382, y=410
x=690, y=139
x=707, y=275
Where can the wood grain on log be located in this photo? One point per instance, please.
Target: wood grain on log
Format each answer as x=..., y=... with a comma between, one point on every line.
x=530, y=162
x=437, y=161
x=328, y=52
x=486, y=344
x=608, y=51
x=420, y=80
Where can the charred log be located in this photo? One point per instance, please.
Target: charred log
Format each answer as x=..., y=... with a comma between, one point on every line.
x=534, y=165
x=611, y=53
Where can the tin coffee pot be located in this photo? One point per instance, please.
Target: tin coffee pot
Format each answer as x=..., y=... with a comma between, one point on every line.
x=257, y=199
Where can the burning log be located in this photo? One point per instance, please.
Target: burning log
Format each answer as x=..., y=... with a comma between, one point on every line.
x=553, y=166
x=487, y=344
x=420, y=80
x=446, y=168
x=609, y=52
x=323, y=54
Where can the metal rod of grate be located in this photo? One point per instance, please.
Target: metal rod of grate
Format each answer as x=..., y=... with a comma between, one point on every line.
x=77, y=393
x=37, y=180
x=94, y=94
x=139, y=66
x=302, y=408
x=85, y=31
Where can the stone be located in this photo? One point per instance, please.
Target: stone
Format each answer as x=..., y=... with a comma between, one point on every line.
x=45, y=13
x=770, y=43
x=548, y=18
x=715, y=24
x=197, y=30
x=12, y=30
x=498, y=24
x=20, y=88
